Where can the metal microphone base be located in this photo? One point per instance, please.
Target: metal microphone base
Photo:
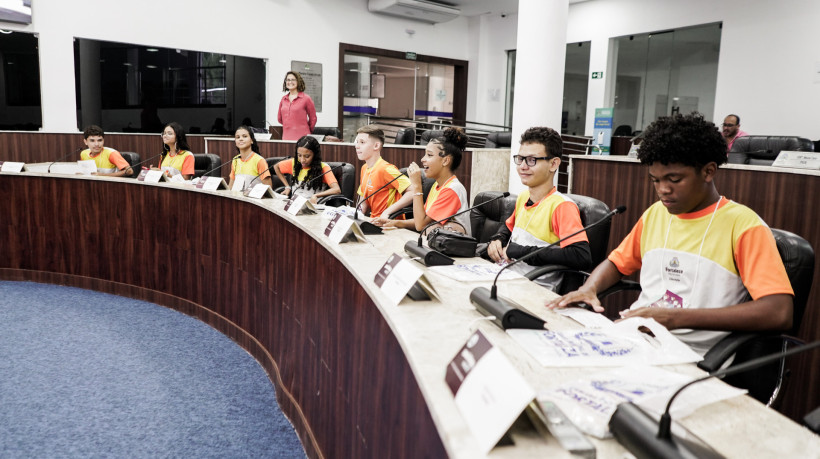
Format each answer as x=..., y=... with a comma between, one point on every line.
x=508, y=314
x=638, y=432
x=426, y=255
x=367, y=227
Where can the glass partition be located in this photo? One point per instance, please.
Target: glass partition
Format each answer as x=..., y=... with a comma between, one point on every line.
x=20, y=106
x=137, y=88
x=664, y=73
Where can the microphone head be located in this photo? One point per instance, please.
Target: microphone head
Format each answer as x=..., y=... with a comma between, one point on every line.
x=505, y=194
x=620, y=209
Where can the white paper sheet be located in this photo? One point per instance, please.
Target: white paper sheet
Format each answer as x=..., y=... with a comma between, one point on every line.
x=618, y=345
x=484, y=272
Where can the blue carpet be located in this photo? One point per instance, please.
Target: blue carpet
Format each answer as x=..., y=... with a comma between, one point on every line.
x=86, y=374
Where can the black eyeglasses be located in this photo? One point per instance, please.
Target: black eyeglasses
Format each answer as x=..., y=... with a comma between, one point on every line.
x=729, y=125
x=531, y=160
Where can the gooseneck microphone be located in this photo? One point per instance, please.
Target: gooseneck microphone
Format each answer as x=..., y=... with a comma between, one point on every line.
x=430, y=257
x=646, y=438
x=258, y=176
x=507, y=314
x=147, y=160
x=220, y=166
x=367, y=227
x=48, y=171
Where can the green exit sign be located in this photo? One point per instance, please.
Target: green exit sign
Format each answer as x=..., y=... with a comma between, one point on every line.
x=597, y=75
x=410, y=56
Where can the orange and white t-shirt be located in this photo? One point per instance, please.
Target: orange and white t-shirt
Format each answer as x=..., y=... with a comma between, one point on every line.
x=108, y=161
x=181, y=163
x=709, y=259
x=376, y=177
x=446, y=199
x=250, y=168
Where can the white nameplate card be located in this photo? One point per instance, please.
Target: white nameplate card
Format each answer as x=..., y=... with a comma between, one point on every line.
x=150, y=176
x=259, y=191
x=239, y=183
x=341, y=229
x=400, y=277
x=63, y=168
x=212, y=183
x=87, y=166
x=299, y=205
x=11, y=166
x=798, y=160
x=488, y=390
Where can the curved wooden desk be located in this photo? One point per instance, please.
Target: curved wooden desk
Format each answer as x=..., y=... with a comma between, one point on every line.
x=357, y=375
x=341, y=375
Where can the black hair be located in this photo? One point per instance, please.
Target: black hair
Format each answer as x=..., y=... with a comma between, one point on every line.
x=737, y=118
x=179, y=132
x=93, y=130
x=254, y=145
x=683, y=139
x=548, y=137
x=452, y=142
x=315, y=164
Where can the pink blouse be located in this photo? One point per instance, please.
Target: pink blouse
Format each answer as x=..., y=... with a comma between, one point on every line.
x=298, y=117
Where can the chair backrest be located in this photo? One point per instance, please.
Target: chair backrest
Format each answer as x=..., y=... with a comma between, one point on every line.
x=486, y=220
x=275, y=182
x=346, y=178
x=132, y=158
x=405, y=136
x=206, y=162
x=623, y=130
x=798, y=259
x=498, y=140
x=592, y=210
x=331, y=131
x=426, y=136
x=763, y=149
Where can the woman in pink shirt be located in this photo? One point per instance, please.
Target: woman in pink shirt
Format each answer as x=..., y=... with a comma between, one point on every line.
x=296, y=111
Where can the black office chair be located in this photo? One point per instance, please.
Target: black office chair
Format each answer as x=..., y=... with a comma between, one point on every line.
x=132, y=158
x=345, y=174
x=207, y=162
x=331, y=131
x=486, y=220
x=591, y=210
x=764, y=384
x=623, y=130
x=405, y=136
x=426, y=186
x=276, y=184
x=498, y=140
x=426, y=136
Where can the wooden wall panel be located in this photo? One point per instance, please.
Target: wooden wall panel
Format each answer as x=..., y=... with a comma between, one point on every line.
x=339, y=372
x=784, y=200
x=36, y=147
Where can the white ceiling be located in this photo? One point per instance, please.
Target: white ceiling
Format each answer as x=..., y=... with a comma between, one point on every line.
x=480, y=7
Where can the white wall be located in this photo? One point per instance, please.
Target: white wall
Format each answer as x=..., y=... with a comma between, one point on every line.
x=276, y=30
x=768, y=54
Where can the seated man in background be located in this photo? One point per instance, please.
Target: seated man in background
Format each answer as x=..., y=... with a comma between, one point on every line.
x=700, y=255
x=376, y=173
x=542, y=215
x=731, y=130
x=109, y=161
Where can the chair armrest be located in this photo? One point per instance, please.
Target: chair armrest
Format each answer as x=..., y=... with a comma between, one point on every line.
x=407, y=211
x=546, y=269
x=623, y=285
x=325, y=199
x=728, y=346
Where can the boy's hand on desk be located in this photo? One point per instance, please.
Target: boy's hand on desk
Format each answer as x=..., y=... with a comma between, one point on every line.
x=577, y=298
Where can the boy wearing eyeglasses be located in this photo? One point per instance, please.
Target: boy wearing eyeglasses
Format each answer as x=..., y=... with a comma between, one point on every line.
x=542, y=215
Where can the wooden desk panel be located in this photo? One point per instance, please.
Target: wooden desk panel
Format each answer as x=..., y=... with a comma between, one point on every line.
x=339, y=372
x=785, y=200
